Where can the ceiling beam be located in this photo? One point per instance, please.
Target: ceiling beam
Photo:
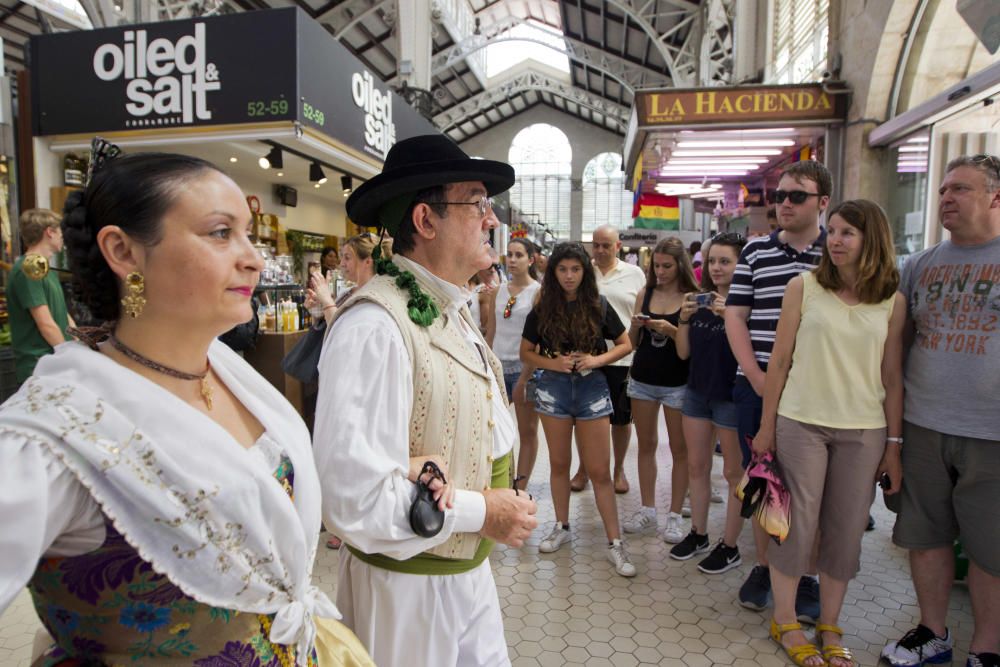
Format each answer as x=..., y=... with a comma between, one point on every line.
x=629, y=74
x=531, y=80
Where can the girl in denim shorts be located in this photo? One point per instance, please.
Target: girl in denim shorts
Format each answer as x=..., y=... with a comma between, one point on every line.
x=708, y=405
x=658, y=378
x=564, y=337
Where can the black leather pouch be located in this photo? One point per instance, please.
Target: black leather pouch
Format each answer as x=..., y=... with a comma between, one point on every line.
x=426, y=519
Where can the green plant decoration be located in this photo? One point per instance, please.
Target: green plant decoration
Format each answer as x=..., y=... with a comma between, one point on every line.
x=296, y=245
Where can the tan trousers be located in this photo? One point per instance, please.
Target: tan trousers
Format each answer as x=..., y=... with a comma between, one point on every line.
x=830, y=474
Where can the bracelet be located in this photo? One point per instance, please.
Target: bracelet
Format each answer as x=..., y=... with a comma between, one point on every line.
x=326, y=308
x=680, y=321
x=898, y=441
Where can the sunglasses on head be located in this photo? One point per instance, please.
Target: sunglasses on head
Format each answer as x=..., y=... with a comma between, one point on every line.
x=728, y=237
x=795, y=196
x=990, y=161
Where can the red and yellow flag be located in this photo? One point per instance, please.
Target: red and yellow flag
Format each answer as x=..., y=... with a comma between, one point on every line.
x=656, y=211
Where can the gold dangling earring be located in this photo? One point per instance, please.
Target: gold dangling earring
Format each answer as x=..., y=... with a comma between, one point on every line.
x=134, y=301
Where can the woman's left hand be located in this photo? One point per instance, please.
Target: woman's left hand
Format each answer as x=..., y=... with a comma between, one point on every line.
x=661, y=327
x=892, y=465
x=319, y=290
x=585, y=362
x=719, y=305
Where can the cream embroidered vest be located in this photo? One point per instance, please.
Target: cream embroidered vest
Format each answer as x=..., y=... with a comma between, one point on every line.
x=452, y=394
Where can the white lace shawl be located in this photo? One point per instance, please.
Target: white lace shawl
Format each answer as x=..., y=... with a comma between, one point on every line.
x=180, y=489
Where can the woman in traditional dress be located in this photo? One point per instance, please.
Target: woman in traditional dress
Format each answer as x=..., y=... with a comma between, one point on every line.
x=160, y=498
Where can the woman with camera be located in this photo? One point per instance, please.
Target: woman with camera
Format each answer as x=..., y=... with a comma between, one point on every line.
x=658, y=378
x=708, y=405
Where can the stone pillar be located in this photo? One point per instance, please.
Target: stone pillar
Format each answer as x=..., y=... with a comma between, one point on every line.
x=413, y=30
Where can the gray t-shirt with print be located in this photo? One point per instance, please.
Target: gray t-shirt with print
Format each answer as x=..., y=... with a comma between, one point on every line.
x=952, y=373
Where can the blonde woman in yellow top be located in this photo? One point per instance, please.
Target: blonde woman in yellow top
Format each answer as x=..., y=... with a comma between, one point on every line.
x=833, y=411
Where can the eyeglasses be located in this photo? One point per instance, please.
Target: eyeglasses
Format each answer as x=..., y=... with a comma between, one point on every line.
x=484, y=204
x=508, y=308
x=728, y=237
x=990, y=160
x=796, y=196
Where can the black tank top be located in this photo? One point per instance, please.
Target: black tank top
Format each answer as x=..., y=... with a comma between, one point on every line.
x=656, y=361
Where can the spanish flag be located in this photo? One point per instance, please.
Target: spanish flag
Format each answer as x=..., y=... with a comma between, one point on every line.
x=656, y=211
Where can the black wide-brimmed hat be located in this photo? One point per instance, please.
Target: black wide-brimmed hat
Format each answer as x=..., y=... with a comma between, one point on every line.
x=417, y=163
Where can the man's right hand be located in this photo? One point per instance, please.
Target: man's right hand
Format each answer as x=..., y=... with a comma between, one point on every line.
x=510, y=517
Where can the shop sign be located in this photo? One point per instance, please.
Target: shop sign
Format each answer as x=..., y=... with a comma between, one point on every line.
x=162, y=77
x=333, y=84
x=743, y=104
x=253, y=67
x=171, y=74
x=639, y=237
x=380, y=132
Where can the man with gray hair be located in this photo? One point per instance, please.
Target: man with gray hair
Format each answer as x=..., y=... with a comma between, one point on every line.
x=951, y=459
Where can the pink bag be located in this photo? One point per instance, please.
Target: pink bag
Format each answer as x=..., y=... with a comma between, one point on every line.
x=765, y=495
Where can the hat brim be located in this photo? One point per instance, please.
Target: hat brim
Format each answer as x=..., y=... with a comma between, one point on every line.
x=365, y=202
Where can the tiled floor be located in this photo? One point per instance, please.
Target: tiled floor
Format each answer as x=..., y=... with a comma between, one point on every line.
x=571, y=608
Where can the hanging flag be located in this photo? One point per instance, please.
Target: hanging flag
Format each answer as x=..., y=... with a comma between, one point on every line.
x=656, y=211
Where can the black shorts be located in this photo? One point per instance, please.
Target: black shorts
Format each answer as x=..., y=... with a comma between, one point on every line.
x=617, y=377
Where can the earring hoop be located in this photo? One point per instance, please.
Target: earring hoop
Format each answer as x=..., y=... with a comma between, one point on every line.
x=133, y=302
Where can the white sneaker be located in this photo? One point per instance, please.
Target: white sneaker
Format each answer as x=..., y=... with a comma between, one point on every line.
x=674, y=532
x=716, y=496
x=555, y=539
x=686, y=508
x=639, y=522
x=618, y=555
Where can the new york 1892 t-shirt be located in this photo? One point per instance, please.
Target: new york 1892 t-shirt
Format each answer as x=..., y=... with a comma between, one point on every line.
x=952, y=373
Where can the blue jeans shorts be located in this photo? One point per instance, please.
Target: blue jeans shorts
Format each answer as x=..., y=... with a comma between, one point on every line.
x=720, y=413
x=672, y=397
x=510, y=379
x=573, y=396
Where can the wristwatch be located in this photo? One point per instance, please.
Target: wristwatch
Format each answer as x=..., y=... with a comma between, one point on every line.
x=898, y=441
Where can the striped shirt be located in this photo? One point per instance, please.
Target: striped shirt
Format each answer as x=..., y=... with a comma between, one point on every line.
x=762, y=273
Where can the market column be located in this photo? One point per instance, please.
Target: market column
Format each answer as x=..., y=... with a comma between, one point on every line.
x=416, y=23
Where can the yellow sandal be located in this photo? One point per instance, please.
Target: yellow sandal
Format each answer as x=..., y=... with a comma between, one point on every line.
x=831, y=652
x=798, y=654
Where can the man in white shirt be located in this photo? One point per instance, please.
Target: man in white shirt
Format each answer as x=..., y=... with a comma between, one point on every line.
x=619, y=282
x=406, y=377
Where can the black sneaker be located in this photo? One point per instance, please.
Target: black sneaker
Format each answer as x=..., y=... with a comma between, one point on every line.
x=871, y=524
x=807, y=600
x=692, y=545
x=722, y=559
x=983, y=660
x=755, y=593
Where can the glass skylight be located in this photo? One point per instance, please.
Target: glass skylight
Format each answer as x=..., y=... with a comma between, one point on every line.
x=528, y=41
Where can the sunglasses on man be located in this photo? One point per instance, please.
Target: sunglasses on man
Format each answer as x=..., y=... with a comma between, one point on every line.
x=795, y=196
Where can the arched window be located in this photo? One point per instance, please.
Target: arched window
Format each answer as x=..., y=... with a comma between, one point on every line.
x=542, y=159
x=605, y=199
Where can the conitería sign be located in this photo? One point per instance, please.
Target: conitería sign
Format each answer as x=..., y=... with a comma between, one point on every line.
x=742, y=104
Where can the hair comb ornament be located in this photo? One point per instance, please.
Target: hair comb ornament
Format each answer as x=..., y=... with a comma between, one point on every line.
x=101, y=151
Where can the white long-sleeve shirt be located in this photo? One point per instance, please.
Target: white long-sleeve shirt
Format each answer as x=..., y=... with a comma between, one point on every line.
x=362, y=432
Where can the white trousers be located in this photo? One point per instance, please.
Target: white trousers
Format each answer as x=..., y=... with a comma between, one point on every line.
x=409, y=620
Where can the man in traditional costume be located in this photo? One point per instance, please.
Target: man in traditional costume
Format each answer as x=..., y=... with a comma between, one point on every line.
x=405, y=376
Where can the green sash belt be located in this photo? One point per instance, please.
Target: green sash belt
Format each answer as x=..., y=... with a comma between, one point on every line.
x=428, y=564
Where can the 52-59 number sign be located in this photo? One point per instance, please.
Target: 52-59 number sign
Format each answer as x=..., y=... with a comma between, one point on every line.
x=312, y=113
x=261, y=108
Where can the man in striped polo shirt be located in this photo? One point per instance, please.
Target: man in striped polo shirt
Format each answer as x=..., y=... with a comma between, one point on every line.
x=752, y=309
